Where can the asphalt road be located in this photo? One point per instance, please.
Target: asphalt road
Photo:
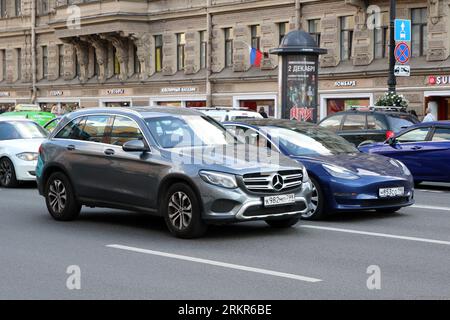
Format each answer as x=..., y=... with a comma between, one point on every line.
x=125, y=255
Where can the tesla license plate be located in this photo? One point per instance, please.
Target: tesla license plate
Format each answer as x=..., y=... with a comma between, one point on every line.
x=392, y=192
x=274, y=201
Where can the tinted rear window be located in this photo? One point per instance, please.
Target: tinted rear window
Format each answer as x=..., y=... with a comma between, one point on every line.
x=400, y=122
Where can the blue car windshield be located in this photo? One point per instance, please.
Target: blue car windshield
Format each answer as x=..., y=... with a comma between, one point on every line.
x=309, y=141
x=188, y=131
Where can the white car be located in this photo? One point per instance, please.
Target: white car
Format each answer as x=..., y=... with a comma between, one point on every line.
x=229, y=114
x=20, y=140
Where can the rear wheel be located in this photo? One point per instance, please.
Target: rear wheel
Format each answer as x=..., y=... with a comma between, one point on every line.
x=60, y=198
x=317, y=202
x=8, y=177
x=182, y=212
x=283, y=223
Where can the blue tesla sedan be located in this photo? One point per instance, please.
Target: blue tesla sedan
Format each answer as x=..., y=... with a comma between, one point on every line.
x=343, y=178
x=424, y=148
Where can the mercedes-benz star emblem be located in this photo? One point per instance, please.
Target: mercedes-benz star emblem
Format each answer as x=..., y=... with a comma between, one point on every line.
x=277, y=182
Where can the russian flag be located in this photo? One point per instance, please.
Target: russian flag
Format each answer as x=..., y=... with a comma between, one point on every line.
x=256, y=57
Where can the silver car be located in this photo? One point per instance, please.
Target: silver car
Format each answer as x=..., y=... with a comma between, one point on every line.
x=174, y=163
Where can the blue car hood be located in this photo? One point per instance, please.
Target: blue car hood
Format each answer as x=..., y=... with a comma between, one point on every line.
x=359, y=163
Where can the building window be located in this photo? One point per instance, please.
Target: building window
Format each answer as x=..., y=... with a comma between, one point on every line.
x=61, y=60
x=43, y=7
x=314, y=29
x=3, y=56
x=45, y=62
x=19, y=63
x=229, y=35
x=256, y=36
x=3, y=13
x=181, y=44
x=203, y=49
x=137, y=63
x=380, y=42
x=346, y=41
x=18, y=8
x=283, y=29
x=158, y=53
x=116, y=62
x=419, y=32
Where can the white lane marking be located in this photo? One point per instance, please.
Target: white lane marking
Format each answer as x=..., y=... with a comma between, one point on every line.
x=216, y=263
x=431, y=191
x=421, y=206
x=381, y=235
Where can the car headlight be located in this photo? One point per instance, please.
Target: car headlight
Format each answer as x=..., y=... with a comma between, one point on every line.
x=339, y=172
x=406, y=171
x=305, y=175
x=219, y=179
x=28, y=156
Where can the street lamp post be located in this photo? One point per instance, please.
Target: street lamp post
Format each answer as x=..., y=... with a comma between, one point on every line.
x=392, y=81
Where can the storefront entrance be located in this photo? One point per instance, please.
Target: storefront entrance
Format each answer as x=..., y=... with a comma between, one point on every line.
x=333, y=103
x=440, y=106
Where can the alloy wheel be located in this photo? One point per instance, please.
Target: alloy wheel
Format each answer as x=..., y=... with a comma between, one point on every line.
x=5, y=172
x=180, y=210
x=57, y=196
x=314, y=202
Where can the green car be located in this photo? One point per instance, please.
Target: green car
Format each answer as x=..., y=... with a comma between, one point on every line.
x=30, y=111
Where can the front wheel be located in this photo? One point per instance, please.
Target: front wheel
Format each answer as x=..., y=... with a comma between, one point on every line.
x=317, y=210
x=182, y=212
x=283, y=223
x=8, y=177
x=60, y=198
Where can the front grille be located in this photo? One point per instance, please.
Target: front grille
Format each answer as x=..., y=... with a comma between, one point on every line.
x=257, y=211
x=273, y=182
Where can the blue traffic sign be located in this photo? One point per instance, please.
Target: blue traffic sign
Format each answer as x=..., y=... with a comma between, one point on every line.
x=402, y=53
x=402, y=30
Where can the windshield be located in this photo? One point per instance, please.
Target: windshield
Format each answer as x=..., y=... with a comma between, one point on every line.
x=188, y=131
x=401, y=122
x=309, y=141
x=21, y=130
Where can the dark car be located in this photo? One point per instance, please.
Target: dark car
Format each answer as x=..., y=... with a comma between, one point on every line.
x=424, y=148
x=343, y=179
x=365, y=126
x=168, y=162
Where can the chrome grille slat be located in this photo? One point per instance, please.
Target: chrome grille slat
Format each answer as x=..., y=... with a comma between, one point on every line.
x=263, y=182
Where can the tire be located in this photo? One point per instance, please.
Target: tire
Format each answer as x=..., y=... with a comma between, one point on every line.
x=60, y=198
x=389, y=210
x=317, y=201
x=8, y=177
x=283, y=223
x=187, y=223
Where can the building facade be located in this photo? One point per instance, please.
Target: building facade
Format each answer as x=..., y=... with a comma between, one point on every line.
x=194, y=53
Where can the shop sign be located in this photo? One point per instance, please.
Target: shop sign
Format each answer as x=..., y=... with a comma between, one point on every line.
x=4, y=94
x=439, y=80
x=56, y=93
x=345, y=83
x=115, y=91
x=179, y=90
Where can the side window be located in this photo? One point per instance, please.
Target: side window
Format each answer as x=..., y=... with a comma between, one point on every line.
x=355, y=122
x=375, y=123
x=72, y=130
x=333, y=123
x=441, y=135
x=96, y=129
x=124, y=130
x=251, y=137
x=8, y=132
x=416, y=135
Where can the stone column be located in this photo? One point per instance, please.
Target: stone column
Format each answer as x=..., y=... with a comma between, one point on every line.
x=101, y=51
x=330, y=41
x=82, y=52
x=145, y=52
x=170, y=54
x=192, y=52
x=269, y=40
x=122, y=51
x=242, y=39
x=363, y=39
x=218, y=50
x=438, y=34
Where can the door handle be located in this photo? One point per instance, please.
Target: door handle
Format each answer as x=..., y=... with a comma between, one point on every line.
x=71, y=147
x=416, y=148
x=109, y=152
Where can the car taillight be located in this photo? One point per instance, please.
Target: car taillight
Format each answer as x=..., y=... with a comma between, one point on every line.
x=390, y=134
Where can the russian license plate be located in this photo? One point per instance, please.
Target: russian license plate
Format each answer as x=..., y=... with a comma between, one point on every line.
x=274, y=201
x=392, y=192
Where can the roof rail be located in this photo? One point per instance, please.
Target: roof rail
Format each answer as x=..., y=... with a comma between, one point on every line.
x=376, y=108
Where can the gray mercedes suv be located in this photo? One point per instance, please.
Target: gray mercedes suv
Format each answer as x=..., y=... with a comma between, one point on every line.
x=174, y=163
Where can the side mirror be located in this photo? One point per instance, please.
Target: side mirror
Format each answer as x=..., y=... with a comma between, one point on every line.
x=391, y=141
x=135, y=146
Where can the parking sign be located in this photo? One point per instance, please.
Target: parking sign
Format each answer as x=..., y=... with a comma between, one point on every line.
x=402, y=30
